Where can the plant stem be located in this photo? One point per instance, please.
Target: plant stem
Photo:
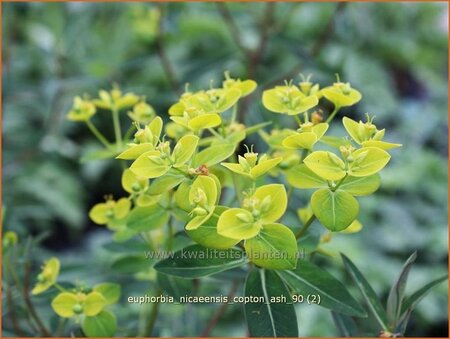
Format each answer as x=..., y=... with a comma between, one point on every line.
x=234, y=113
x=117, y=131
x=130, y=131
x=59, y=287
x=305, y=227
x=297, y=119
x=98, y=134
x=336, y=109
x=153, y=315
x=26, y=296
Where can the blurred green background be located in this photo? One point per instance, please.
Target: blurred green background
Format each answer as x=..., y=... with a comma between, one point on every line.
x=394, y=53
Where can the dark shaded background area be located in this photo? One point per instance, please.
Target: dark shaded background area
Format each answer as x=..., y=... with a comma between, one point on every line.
x=395, y=54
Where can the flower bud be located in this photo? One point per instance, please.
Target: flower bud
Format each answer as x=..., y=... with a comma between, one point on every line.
x=265, y=204
x=244, y=217
x=199, y=211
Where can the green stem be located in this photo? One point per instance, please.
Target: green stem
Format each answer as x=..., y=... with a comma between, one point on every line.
x=152, y=318
x=117, y=131
x=59, y=287
x=213, y=132
x=299, y=122
x=336, y=109
x=98, y=134
x=339, y=183
x=305, y=227
x=234, y=113
x=130, y=131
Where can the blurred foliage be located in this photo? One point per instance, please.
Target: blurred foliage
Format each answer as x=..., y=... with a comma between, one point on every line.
x=394, y=53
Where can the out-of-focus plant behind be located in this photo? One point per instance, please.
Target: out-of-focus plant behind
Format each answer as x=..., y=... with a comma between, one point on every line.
x=396, y=54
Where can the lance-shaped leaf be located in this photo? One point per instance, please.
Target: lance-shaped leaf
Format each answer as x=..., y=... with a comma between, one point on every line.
x=368, y=293
x=380, y=144
x=335, y=210
x=197, y=261
x=308, y=278
x=345, y=324
x=147, y=218
x=396, y=294
x=275, y=247
x=269, y=318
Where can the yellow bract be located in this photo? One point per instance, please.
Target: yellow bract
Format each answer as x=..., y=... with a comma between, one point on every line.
x=48, y=276
x=82, y=110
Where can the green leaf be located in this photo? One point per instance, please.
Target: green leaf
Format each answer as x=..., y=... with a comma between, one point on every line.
x=368, y=161
x=206, y=234
x=264, y=166
x=94, y=303
x=367, y=291
x=150, y=165
x=175, y=286
x=305, y=140
x=147, y=218
x=345, y=324
x=361, y=185
x=63, y=304
x=300, y=176
x=103, y=325
x=237, y=223
x=131, y=264
x=326, y=165
x=272, y=202
x=110, y=291
x=197, y=261
x=204, y=121
x=335, y=210
x=165, y=183
x=396, y=294
x=99, y=155
x=275, y=247
x=271, y=317
x=354, y=129
x=184, y=149
x=380, y=144
x=135, y=151
x=335, y=142
x=308, y=278
x=417, y=296
x=203, y=185
x=213, y=155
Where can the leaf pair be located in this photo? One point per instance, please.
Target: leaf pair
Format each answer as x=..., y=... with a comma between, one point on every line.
x=288, y=100
x=341, y=94
x=154, y=164
x=251, y=166
x=307, y=137
x=364, y=162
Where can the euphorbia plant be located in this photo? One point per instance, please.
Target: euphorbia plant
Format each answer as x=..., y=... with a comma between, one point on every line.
x=185, y=178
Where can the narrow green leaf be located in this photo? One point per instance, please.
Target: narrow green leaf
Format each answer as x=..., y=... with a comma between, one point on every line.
x=175, y=286
x=308, y=278
x=197, y=261
x=270, y=317
x=345, y=324
x=367, y=291
x=102, y=325
x=168, y=181
x=397, y=292
x=131, y=264
x=417, y=296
